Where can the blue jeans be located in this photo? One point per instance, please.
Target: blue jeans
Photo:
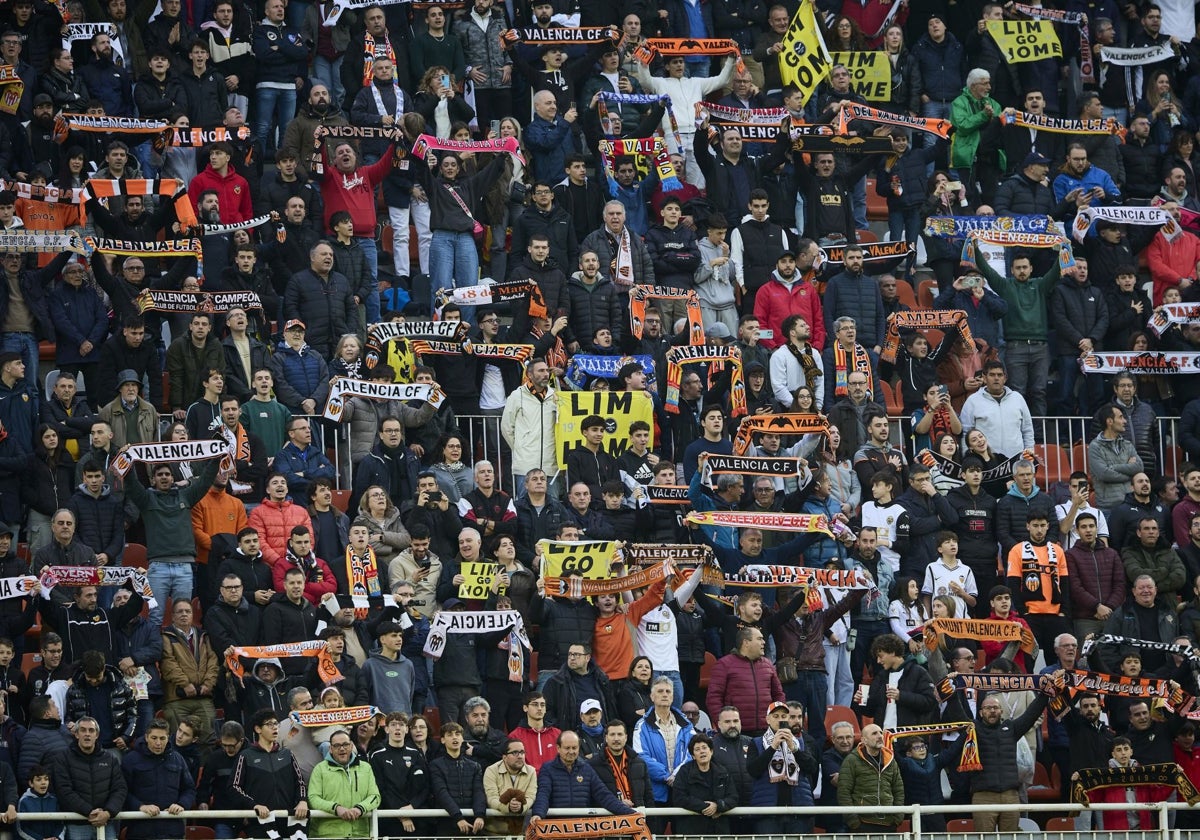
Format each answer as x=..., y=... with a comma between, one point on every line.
x=329, y=72
x=677, y=682
x=27, y=346
x=296, y=10
x=811, y=689
x=142, y=152
x=544, y=676
x=274, y=108
x=83, y=831
x=453, y=263
x=904, y=223
x=858, y=204
x=372, y=252
x=837, y=664
x=698, y=70
x=168, y=580
x=938, y=110
x=1091, y=394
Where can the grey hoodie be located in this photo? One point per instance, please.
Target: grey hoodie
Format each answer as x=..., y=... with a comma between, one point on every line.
x=389, y=684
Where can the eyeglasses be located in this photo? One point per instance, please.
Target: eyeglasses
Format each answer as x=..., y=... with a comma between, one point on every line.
x=231, y=588
x=135, y=268
x=576, y=653
x=515, y=752
x=489, y=320
x=340, y=746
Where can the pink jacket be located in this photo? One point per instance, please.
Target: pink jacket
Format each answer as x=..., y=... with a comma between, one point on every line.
x=274, y=523
x=775, y=301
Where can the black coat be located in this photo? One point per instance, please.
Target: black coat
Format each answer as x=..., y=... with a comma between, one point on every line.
x=1019, y=194
x=457, y=783
x=268, y=778
x=591, y=309
x=998, y=748
x=1078, y=312
x=918, y=703
x=86, y=781
x=693, y=789
x=115, y=356
x=636, y=771
x=562, y=701
x=325, y=306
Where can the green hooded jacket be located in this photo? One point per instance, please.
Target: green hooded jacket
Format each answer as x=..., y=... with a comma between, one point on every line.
x=968, y=118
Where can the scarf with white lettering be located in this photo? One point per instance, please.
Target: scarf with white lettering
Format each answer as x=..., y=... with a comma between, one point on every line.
x=1148, y=361
x=1173, y=313
x=175, y=452
x=516, y=642
x=652, y=147
x=1077, y=19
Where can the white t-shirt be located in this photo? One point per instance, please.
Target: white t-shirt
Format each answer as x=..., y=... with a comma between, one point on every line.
x=1071, y=537
x=938, y=577
x=883, y=520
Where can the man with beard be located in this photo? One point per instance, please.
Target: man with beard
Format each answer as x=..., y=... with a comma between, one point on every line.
x=1090, y=742
x=789, y=291
x=41, y=134
x=856, y=295
x=233, y=618
x=133, y=222
x=732, y=748
x=350, y=187
x=483, y=743
x=620, y=769
x=796, y=364
x=318, y=110
x=106, y=80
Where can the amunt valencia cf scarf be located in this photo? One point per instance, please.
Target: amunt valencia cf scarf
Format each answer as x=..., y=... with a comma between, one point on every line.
x=967, y=763
x=979, y=629
x=678, y=356
x=928, y=319
x=638, y=296
x=326, y=670
x=671, y=47
x=1167, y=774
x=779, y=424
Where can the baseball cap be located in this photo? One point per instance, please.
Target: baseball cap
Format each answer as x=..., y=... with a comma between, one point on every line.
x=294, y=324
x=777, y=706
x=589, y=705
x=43, y=99
x=1036, y=159
x=451, y=603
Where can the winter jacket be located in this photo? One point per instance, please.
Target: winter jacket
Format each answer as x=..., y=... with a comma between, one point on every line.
x=577, y=786
x=550, y=142
x=161, y=780
x=998, y=748
x=765, y=792
x=1013, y=511
x=88, y=629
x=67, y=90
x=1097, y=577
x=534, y=525
x=909, y=168
x=649, y=744
x=142, y=420
x=182, y=668
x=268, y=778
x=116, y=356
x=675, y=254
x=926, y=517
x=917, y=704
x=274, y=522
x=941, y=67
x=325, y=304
x=1006, y=421
x=33, y=284
x=600, y=304
x=291, y=461
x=207, y=97
x=456, y=783
x=121, y=704
x=562, y=698
x=563, y=622
x=232, y=189
x=976, y=527
x=187, y=366
x=776, y=300
x=350, y=260
x=856, y=296
x=1160, y=562
x=983, y=316
x=1124, y=517
x=1112, y=463
x=281, y=53
x=299, y=375
x=350, y=785
x=969, y=119
x=1078, y=312
x=235, y=381
x=1019, y=194
x=364, y=417
x=865, y=782
x=43, y=740
x=726, y=179
x=86, y=781
x=749, y=684
x=528, y=427
x=78, y=315
x=606, y=246
x=551, y=276
x=284, y=621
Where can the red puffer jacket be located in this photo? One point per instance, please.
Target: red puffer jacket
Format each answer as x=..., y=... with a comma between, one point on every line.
x=274, y=522
x=751, y=685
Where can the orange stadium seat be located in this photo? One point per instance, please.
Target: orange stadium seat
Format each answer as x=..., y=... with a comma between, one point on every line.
x=926, y=292
x=876, y=204
x=1060, y=824
x=1055, y=463
x=1046, y=786
x=865, y=237
x=341, y=499
x=135, y=555
x=1079, y=456
x=841, y=714
x=904, y=291
x=960, y=826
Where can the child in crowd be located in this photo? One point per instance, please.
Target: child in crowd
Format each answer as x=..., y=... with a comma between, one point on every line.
x=38, y=799
x=947, y=576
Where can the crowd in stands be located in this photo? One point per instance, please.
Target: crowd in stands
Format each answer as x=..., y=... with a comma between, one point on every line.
x=321, y=155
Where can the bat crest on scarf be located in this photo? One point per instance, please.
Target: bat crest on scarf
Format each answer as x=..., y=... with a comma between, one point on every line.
x=778, y=424
x=327, y=672
x=678, y=356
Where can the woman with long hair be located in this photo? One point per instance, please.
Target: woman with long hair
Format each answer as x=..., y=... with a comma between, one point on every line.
x=907, y=613
x=420, y=738
x=946, y=445
x=1181, y=152
x=454, y=474
x=48, y=483
x=347, y=357
x=633, y=698
x=906, y=73
x=834, y=461
x=386, y=533
x=440, y=104
x=846, y=36
x=72, y=174
x=977, y=445
x=1160, y=101
x=505, y=201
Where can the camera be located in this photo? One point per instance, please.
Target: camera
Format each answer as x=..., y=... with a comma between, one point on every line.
x=433, y=499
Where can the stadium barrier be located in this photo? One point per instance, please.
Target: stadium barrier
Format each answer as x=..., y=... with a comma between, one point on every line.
x=912, y=813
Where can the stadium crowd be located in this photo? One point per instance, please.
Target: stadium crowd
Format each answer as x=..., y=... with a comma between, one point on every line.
x=342, y=166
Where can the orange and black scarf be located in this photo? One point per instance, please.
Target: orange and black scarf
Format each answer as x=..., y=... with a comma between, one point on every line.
x=859, y=362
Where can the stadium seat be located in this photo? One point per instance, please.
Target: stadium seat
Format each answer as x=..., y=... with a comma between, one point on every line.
x=926, y=292
x=1079, y=456
x=341, y=499
x=199, y=832
x=876, y=204
x=959, y=826
x=895, y=408
x=934, y=337
x=29, y=661
x=904, y=291
x=1060, y=824
x=135, y=555
x=706, y=670
x=866, y=237
x=839, y=714
x=1174, y=459
x=434, y=718
x=1046, y=786
x=1055, y=463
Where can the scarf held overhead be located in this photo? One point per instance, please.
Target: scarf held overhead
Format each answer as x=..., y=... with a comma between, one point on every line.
x=176, y=452
x=651, y=147
x=427, y=142
x=750, y=465
x=961, y=227
x=1145, y=362
x=853, y=111
x=1173, y=313
x=638, y=296
x=584, y=366
x=928, y=319
x=20, y=242
x=344, y=388
x=516, y=642
x=53, y=576
x=577, y=587
x=346, y=716
x=979, y=629
x=327, y=672
x=777, y=424
x=1152, y=216
x=968, y=762
x=798, y=522
x=953, y=469
x=678, y=356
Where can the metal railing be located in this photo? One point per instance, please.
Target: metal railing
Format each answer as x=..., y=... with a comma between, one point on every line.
x=913, y=813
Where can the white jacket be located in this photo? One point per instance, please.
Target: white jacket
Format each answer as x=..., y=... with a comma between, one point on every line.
x=1006, y=421
x=684, y=93
x=528, y=426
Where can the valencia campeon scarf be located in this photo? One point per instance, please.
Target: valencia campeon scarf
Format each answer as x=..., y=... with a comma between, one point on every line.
x=559, y=35
x=638, y=296
x=651, y=147
x=164, y=187
x=362, y=571
x=1145, y=362
x=1119, y=685
x=751, y=465
x=979, y=629
x=1173, y=313
x=798, y=522
x=327, y=672
x=927, y=319
x=517, y=642
x=175, y=452
x=20, y=241
x=426, y=142
x=668, y=494
x=853, y=111
x=953, y=469
x=1058, y=125
x=678, y=356
x=1167, y=774
x=777, y=424
x=346, y=716
x=579, y=587
x=967, y=763
x=162, y=300
x=961, y=227
x=672, y=47
x=632, y=826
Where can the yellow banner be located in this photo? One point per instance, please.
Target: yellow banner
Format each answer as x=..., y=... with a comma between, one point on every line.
x=804, y=60
x=1025, y=40
x=870, y=74
x=477, y=582
x=619, y=410
x=589, y=559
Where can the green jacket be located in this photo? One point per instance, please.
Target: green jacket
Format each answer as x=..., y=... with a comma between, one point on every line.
x=352, y=786
x=968, y=118
x=863, y=784
x=168, y=516
x=1026, y=319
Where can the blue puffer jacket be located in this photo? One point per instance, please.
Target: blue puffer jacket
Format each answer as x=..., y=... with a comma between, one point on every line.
x=825, y=549
x=299, y=375
x=78, y=315
x=577, y=787
x=156, y=780
x=648, y=742
x=941, y=67
x=550, y=142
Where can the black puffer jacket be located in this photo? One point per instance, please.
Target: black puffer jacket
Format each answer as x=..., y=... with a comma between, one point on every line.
x=325, y=305
x=998, y=748
x=595, y=307
x=86, y=781
x=976, y=526
x=1077, y=312
x=89, y=629
x=562, y=697
x=228, y=625
x=564, y=623
x=122, y=705
x=455, y=784
x=1019, y=194
x=559, y=228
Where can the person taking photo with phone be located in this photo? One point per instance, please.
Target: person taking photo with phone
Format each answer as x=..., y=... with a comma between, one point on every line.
x=936, y=418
